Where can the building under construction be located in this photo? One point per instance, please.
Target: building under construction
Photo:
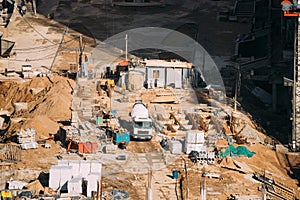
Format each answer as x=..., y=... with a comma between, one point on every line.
x=265, y=64
x=70, y=138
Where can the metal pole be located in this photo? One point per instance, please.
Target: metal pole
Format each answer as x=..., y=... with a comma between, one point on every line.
x=294, y=89
x=149, y=190
x=34, y=6
x=203, y=188
x=126, y=47
x=264, y=187
x=80, y=54
x=237, y=81
x=186, y=181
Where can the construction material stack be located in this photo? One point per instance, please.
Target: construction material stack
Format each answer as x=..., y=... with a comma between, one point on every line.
x=106, y=116
x=27, y=139
x=68, y=175
x=194, y=141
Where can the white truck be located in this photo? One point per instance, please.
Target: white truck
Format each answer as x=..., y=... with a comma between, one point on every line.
x=141, y=121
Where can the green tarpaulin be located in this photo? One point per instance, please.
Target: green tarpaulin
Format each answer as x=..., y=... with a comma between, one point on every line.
x=236, y=151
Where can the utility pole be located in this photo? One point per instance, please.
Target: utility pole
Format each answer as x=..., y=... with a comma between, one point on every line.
x=59, y=46
x=80, y=55
x=34, y=7
x=126, y=47
x=149, y=189
x=264, y=187
x=203, y=188
x=186, y=180
x=237, y=85
x=203, y=62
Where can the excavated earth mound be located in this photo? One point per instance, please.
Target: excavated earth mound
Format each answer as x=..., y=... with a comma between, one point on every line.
x=48, y=101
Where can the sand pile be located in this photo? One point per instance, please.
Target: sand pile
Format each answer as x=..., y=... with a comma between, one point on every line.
x=43, y=125
x=56, y=103
x=49, y=96
x=48, y=101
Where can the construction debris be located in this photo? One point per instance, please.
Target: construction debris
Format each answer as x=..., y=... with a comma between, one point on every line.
x=10, y=153
x=14, y=184
x=35, y=187
x=274, y=188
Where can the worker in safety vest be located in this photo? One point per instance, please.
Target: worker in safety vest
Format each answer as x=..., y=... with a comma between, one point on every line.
x=286, y=5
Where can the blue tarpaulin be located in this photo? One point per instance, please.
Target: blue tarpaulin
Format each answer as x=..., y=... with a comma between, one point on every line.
x=236, y=151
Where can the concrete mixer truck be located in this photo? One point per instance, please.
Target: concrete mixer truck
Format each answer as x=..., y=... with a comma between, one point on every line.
x=141, y=121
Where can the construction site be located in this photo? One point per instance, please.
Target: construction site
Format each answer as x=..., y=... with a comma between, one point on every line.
x=153, y=99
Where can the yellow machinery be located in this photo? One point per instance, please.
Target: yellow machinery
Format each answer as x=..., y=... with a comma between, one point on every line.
x=6, y=195
x=105, y=85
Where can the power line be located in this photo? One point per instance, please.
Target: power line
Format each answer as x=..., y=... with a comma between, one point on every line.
x=40, y=48
x=56, y=53
x=24, y=19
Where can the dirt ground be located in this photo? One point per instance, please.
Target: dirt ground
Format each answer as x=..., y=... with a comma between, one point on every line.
x=135, y=184
x=143, y=146
x=45, y=110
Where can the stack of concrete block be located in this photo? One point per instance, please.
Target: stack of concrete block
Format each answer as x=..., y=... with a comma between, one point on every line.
x=59, y=175
x=211, y=158
x=110, y=149
x=27, y=139
x=68, y=175
x=75, y=186
x=27, y=72
x=175, y=147
x=93, y=180
x=194, y=141
x=202, y=154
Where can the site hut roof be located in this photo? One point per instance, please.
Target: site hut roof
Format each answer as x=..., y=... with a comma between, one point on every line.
x=168, y=64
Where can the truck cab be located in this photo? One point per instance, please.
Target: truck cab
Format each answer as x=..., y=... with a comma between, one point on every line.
x=142, y=128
